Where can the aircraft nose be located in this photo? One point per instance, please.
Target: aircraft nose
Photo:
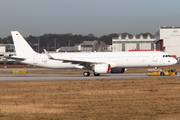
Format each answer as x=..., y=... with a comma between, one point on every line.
x=172, y=61
x=175, y=61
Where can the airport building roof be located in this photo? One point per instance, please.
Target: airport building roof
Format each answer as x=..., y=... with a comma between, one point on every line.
x=86, y=43
x=138, y=36
x=68, y=49
x=172, y=27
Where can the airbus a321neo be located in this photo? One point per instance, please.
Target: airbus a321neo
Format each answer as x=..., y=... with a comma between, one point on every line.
x=98, y=62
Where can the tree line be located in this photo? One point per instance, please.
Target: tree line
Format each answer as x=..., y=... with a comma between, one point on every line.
x=51, y=42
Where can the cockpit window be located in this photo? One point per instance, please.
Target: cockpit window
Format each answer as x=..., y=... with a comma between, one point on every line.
x=166, y=56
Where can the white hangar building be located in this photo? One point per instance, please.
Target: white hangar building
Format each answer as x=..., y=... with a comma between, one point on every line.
x=126, y=42
x=168, y=40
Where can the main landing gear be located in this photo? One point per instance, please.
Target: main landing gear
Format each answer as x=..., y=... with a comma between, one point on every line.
x=96, y=74
x=87, y=73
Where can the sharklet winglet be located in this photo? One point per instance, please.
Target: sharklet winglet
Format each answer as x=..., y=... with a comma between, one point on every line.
x=48, y=55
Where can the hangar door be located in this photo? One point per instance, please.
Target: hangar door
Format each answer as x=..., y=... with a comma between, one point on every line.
x=130, y=46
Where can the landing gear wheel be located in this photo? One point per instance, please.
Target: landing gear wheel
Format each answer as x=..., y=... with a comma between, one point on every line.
x=96, y=74
x=162, y=74
x=86, y=74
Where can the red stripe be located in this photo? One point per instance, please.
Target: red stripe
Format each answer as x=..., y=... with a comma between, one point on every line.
x=109, y=68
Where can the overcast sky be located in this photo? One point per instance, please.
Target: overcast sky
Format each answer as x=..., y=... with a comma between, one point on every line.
x=100, y=17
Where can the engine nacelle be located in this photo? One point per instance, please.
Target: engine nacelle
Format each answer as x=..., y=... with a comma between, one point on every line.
x=102, y=68
x=117, y=70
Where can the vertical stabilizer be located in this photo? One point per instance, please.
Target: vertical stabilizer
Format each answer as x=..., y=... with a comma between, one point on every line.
x=21, y=46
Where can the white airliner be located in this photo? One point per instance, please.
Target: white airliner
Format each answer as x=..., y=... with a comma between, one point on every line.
x=99, y=62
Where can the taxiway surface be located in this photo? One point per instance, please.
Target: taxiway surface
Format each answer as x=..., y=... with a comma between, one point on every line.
x=6, y=75
x=47, y=77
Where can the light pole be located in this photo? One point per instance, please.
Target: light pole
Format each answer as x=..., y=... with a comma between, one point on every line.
x=38, y=44
x=69, y=42
x=55, y=44
x=47, y=47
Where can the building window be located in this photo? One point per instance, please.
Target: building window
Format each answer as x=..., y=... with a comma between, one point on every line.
x=175, y=31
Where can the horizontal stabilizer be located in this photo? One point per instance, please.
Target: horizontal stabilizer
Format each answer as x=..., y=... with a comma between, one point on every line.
x=17, y=58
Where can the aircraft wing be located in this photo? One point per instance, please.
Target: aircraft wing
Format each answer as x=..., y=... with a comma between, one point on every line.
x=84, y=63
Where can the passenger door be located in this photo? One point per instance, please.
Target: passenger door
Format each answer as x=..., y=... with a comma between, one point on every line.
x=155, y=56
x=35, y=59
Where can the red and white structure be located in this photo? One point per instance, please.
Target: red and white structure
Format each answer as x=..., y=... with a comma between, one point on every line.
x=168, y=40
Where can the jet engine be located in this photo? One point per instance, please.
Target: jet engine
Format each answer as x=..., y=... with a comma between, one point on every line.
x=117, y=70
x=102, y=68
